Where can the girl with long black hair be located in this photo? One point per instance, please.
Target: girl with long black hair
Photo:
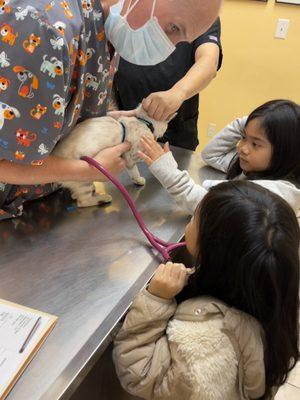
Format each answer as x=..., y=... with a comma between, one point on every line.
x=263, y=147
x=234, y=335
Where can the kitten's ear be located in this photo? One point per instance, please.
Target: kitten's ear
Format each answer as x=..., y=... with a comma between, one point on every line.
x=140, y=112
x=172, y=116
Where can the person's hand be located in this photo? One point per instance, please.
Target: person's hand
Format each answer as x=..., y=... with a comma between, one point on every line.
x=152, y=150
x=169, y=280
x=121, y=113
x=162, y=105
x=111, y=159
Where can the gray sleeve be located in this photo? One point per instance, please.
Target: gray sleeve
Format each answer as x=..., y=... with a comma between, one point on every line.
x=179, y=184
x=35, y=76
x=141, y=351
x=284, y=189
x=222, y=148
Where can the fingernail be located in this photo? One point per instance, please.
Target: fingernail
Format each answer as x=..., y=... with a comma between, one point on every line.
x=191, y=271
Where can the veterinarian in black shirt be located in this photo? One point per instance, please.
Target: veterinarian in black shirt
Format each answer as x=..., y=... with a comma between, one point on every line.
x=173, y=85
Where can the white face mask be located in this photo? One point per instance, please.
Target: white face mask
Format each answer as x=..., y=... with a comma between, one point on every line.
x=148, y=45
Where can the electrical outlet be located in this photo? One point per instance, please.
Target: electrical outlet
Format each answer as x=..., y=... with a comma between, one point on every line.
x=282, y=28
x=211, y=129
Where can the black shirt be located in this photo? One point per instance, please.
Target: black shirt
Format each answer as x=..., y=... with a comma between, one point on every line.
x=133, y=83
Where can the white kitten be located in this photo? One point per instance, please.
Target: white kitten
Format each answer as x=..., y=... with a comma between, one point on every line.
x=95, y=134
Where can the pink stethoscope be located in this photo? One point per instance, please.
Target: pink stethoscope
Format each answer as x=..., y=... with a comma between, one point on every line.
x=164, y=248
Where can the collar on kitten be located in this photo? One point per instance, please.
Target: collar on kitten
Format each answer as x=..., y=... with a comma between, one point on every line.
x=148, y=123
x=123, y=132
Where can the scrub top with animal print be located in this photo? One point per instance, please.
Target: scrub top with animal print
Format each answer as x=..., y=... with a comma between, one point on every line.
x=54, y=70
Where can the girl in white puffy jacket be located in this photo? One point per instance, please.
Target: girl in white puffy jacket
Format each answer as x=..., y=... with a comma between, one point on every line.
x=263, y=147
x=233, y=333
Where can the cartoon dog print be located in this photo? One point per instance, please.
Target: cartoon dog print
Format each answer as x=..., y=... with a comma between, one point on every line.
x=7, y=113
x=38, y=111
x=76, y=110
x=25, y=138
x=54, y=67
x=31, y=43
x=67, y=9
x=101, y=97
x=100, y=64
x=61, y=27
x=87, y=6
x=82, y=57
x=4, y=84
x=22, y=13
x=4, y=60
x=105, y=73
x=29, y=82
x=8, y=35
x=4, y=7
x=89, y=53
x=91, y=81
x=59, y=105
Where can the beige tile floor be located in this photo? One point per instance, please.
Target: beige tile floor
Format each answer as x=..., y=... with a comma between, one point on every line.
x=291, y=390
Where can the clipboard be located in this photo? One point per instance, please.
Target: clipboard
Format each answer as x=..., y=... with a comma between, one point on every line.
x=23, y=330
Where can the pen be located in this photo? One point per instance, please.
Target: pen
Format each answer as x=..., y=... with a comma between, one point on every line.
x=30, y=334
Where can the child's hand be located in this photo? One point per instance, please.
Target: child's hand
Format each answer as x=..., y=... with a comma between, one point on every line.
x=169, y=280
x=152, y=150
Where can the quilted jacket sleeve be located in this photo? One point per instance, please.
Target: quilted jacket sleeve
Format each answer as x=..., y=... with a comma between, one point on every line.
x=141, y=352
x=158, y=359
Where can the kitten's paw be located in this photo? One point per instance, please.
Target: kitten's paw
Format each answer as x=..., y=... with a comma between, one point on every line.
x=94, y=200
x=140, y=181
x=103, y=198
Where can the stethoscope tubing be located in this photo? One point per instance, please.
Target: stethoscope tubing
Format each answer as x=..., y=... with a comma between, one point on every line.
x=163, y=247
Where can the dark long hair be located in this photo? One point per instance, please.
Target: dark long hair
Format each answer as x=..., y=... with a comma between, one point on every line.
x=280, y=120
x=248, y=255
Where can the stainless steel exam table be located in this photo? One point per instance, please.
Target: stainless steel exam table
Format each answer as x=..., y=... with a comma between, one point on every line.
x=85, y=266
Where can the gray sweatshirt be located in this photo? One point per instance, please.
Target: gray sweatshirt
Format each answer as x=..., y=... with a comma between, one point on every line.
x=217, y=154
